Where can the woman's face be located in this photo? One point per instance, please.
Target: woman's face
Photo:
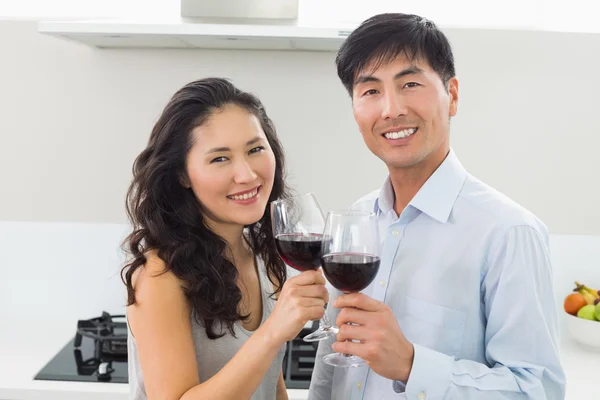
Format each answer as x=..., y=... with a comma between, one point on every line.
x=231, y=167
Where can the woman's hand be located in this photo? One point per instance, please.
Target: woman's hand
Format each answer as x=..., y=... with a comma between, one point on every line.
x=301, y=299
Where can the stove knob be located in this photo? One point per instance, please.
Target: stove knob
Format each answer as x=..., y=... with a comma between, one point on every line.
x=104, y=371
x=103, y=368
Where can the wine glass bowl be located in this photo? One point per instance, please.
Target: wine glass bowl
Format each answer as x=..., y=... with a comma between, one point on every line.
x=350, y=261
x=298, y=224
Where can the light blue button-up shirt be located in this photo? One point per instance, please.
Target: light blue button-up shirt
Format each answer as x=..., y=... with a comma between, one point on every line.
x=467, y=273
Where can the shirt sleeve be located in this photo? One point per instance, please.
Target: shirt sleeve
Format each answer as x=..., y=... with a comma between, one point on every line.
x=522, y=346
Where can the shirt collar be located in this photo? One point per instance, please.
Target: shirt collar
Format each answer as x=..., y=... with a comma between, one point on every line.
x=437, y=196
x=385, y=202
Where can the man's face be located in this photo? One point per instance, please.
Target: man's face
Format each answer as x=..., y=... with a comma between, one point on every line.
x=403, y=111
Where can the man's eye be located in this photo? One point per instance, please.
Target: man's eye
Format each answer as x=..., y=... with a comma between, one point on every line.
x=370, y=92
x=218, y=159
x=412, y=84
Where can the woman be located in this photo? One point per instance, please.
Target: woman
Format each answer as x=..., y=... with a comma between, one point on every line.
x=204, y=270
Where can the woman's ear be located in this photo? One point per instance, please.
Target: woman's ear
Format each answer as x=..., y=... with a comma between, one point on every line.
x=184, y=181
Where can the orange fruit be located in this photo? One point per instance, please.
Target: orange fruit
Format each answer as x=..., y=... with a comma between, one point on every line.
x=574, y=302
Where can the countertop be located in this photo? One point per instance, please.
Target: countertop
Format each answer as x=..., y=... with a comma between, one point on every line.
x=26, y=346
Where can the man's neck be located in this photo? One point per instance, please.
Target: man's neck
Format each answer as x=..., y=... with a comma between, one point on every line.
x=407, y=182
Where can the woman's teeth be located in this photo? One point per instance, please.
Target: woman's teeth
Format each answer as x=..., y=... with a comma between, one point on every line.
x=401, y=134
x=245, y=196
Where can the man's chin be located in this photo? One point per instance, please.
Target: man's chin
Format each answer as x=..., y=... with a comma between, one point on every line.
x=404, y=162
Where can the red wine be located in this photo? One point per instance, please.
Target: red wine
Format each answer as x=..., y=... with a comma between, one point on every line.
x=300, y=251
x=350, y=272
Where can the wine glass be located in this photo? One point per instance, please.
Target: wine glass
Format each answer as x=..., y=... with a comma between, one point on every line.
x=350, y=261
x=298, y=228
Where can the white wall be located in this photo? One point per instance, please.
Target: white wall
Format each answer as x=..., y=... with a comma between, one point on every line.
x=60, y=271
x=87, y=9
x=72, y=119
x=69, y=271
x=552, y=15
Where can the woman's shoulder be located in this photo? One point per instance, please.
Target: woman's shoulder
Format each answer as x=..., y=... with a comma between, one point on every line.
x=155, y=274
x=159, y=297
x=153, y=261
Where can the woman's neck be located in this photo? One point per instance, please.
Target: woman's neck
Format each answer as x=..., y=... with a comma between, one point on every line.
x=239, y=251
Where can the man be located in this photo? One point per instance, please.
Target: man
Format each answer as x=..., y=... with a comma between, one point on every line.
x=462, y=306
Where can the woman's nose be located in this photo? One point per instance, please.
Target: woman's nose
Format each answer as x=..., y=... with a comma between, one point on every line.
x=244, y=173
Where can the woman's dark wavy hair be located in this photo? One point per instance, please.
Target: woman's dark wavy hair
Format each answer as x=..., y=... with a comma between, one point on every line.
x=167, y=217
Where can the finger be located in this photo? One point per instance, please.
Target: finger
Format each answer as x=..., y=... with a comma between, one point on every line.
x=317, y=291
x=358, y=300
x=308, y=302
x=309, y=278
x=352, y=332
x=353, y=316
x=355, y=349
x=314, y=313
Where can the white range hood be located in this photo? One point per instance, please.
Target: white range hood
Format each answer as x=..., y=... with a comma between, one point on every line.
x=265, y=25
x=249, y=9
x=204, y=33
x=222, y=24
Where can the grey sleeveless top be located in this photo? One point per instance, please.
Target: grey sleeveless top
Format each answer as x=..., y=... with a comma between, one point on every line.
x=212, y=355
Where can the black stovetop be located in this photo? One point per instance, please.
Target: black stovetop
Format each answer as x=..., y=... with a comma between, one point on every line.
x=75, y=365
x=98, y=353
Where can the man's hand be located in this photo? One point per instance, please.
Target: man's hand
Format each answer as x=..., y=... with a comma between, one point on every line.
x=382, y=343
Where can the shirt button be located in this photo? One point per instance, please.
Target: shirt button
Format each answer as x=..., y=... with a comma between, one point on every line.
x=395, y=232
x=359, y=385
x=421, y=396
x=382, y=283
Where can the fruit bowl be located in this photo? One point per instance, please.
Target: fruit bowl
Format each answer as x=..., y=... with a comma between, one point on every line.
x=582, y=307
x=584, y=331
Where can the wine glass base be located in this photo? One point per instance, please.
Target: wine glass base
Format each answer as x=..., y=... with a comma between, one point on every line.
x=321, y=333
x=343, y=360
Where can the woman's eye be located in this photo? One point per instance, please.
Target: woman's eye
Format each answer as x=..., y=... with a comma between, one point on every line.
x=218, y=159
x=257, y=149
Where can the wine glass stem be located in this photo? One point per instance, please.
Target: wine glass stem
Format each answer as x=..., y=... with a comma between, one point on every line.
x=324, y=322
x=347, y=340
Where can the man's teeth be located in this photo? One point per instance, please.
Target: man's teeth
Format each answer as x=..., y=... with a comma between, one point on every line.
x=245, y=196
x=401, y=134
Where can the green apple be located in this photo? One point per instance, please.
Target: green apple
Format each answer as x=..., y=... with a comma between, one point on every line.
x=598, y=311
x=587, y=312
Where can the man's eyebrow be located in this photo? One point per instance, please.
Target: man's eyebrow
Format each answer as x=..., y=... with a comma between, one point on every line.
x=412, y=70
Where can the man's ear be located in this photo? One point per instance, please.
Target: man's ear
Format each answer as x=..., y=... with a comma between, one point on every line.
x=453, y=95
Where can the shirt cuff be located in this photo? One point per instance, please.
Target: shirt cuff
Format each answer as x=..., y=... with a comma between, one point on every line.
x=430, y=375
